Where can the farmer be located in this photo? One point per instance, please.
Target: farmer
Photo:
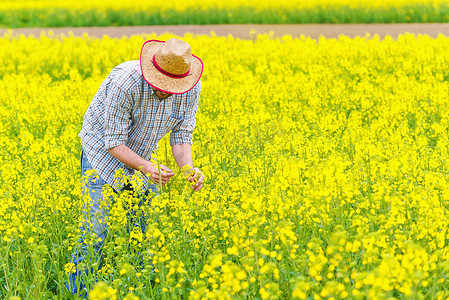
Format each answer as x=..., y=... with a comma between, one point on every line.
x=135, y=107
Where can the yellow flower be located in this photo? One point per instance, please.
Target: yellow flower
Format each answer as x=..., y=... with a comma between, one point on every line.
x=70, y=268
x=102, y=291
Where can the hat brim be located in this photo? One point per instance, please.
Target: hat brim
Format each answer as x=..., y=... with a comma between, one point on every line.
x=161, y=81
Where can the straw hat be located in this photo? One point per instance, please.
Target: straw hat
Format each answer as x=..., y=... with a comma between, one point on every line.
x=170, y=66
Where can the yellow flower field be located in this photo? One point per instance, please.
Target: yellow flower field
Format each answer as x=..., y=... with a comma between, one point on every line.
x=326, y=164
x=180, y=5
x=57, y=13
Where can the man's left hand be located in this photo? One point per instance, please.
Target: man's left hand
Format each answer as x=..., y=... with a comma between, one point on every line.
x=195, y=175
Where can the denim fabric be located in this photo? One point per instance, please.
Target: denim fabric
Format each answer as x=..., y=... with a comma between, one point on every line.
x=97, y=214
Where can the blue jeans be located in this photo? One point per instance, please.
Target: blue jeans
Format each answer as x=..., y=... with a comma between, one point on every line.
x=97, y=214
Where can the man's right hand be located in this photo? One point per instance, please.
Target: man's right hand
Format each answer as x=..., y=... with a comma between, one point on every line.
x=152, y=172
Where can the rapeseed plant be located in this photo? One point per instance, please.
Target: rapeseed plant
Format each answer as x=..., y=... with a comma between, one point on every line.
x=325, y=163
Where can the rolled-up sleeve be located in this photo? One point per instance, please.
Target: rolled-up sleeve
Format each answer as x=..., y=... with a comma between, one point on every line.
x=117, y=118
x=182, y=133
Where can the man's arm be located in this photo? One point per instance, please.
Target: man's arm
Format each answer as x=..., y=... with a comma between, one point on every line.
x=133, y=160
x=182, y=154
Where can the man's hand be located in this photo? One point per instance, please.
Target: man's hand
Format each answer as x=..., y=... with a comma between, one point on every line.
x=153, y=172
x=194, y=175
x=183, y=157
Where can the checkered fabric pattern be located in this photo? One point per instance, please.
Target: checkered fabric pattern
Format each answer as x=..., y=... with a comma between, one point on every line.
x=125, y=110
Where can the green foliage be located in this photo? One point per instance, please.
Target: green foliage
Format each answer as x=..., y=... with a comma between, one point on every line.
x=59, y=17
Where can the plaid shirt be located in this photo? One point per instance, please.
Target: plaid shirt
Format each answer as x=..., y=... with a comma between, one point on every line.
x=125, y=110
